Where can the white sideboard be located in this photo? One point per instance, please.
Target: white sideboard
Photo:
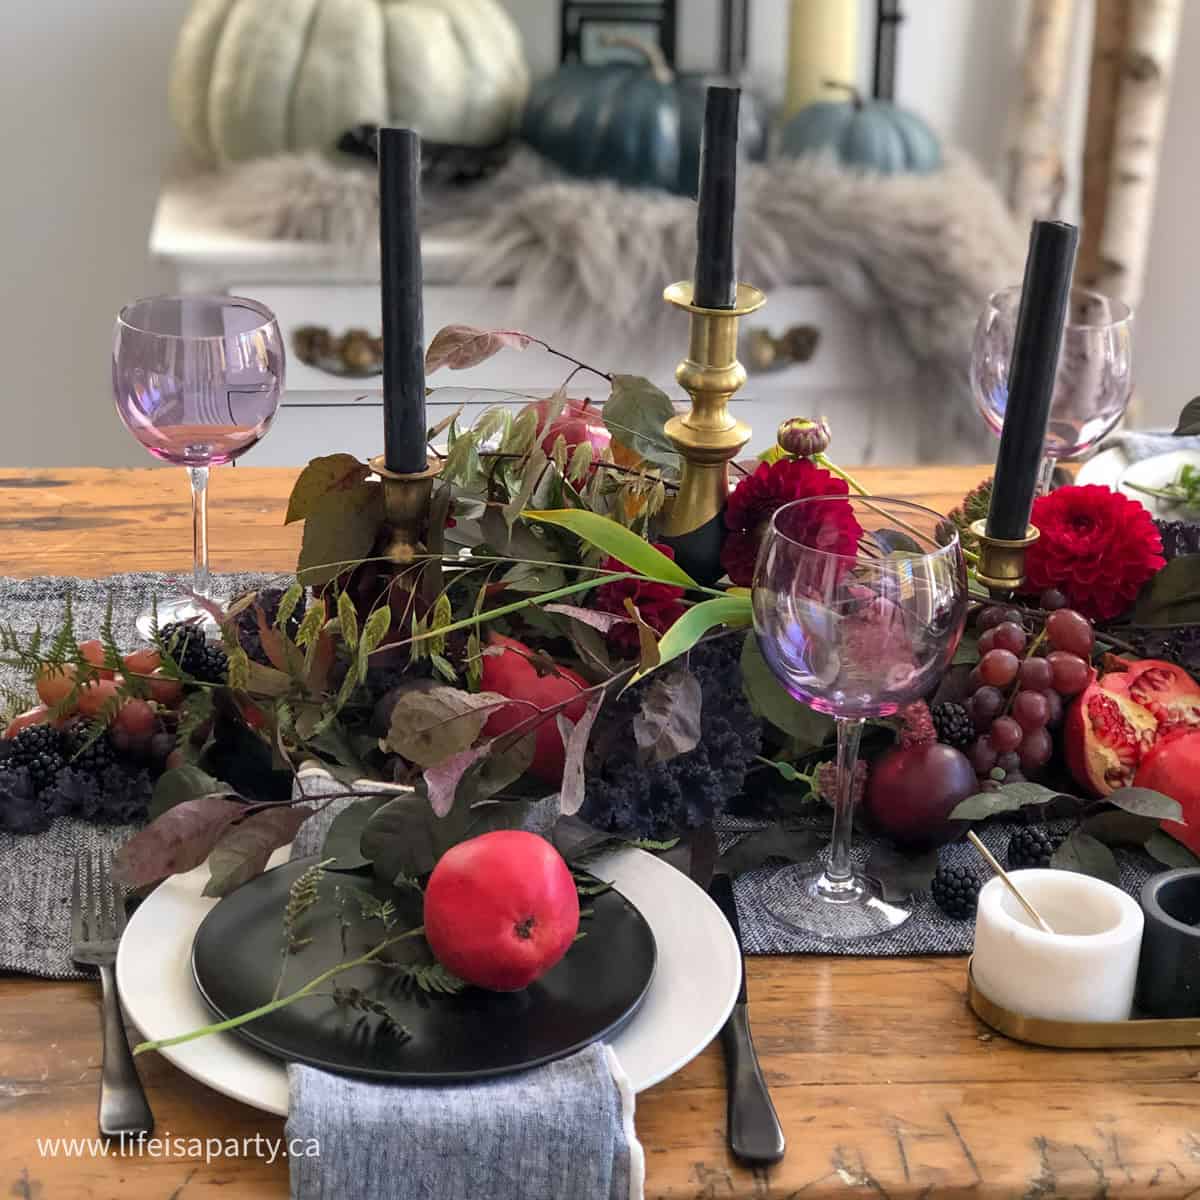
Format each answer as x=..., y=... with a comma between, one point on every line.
x=316, y=284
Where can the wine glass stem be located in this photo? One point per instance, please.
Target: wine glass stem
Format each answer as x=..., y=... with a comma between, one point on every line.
x=199, y=478
x=849, y=734
x=1046, y=475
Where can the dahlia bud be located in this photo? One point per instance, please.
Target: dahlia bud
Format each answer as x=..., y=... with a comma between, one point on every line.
x=804, y=438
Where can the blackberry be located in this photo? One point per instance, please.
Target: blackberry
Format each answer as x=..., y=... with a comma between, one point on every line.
x=195, y=654
x=93, y=759
x=953, y=725
x=247, y=622
x=39, y=750
x=956, y=891
x=1031, y=846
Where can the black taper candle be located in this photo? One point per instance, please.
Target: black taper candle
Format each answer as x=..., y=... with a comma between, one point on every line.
x=1036, y=344
x=716, y=250
x=400, y=288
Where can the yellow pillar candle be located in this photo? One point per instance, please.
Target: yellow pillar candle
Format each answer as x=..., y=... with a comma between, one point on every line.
x=822, y=44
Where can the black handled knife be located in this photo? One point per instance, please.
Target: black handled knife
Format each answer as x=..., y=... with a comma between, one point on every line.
x=753, y=1128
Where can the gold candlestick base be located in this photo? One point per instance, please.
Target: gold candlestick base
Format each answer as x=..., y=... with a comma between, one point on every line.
x=708, y=437
x=1001, y=567
x=406, y=508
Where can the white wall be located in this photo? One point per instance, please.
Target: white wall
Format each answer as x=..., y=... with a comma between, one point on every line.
x=84, y=137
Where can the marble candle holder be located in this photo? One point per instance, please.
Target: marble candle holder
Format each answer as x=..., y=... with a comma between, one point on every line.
x=1169, y=974
x=1086, y=970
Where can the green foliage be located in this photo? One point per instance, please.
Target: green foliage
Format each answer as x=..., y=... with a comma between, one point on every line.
x=431, y=978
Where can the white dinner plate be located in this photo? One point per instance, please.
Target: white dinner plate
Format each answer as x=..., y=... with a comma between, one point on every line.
x=693, y=991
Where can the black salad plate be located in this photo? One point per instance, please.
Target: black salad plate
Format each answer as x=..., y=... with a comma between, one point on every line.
x=237, y=955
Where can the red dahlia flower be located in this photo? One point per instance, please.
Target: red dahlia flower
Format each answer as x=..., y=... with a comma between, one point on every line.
x=1097, y=547
x=753, y=502
x=660, y=604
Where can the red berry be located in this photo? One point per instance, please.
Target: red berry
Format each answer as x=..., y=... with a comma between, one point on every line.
x=1070, y=631
x=1030, y=711
x=987, y=641
x=1036, y=749
x=93, y=652
x=95, y=695
x=142, y=662
x=1054, y=706
x=1010, y=636
x=1052, y=599
x=137, y=718
x=1013, y=615
x=990, y=617
x=999, y=667
x=1006, y=734
x=54, y=684
x=1070, y=672
x=1009, y=762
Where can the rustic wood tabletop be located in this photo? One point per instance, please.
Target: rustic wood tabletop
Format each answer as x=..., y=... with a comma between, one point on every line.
x=884, y=1081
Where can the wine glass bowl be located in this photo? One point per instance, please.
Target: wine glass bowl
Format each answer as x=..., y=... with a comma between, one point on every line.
x=1094, y=378
x=859, y=604
x=197, y=380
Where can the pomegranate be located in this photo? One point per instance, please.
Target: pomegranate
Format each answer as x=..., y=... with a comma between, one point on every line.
x=501, y=909
x=513, y=674
x=579, y=421
x=1172, y=766
x=1120, y=716
x=912, y=791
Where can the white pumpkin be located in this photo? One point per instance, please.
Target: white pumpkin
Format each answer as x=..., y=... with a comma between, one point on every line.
x=256, y=77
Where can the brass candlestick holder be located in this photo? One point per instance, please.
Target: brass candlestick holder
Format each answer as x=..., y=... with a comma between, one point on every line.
x=406, y=509
x=1001, y=567
x=709, y=437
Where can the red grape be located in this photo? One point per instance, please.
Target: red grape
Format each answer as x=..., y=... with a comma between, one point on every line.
x=1069, y=671
x=1030, y=711
x=982, y=755
x=975, y=680
x=1055, y=705
x=136, y=717
x=1070, y=631
x=1009, y=636
x=989, y=617
x=164, y=691
x=1052, y=599
x=1009, y=762
x=1012, y=615
x=1035, y=675
x=161, y=745
x=987, y=642
x=1006, y=734
x=999, y=667
x=1036, y=749
x=985, y=707
x=175, y=759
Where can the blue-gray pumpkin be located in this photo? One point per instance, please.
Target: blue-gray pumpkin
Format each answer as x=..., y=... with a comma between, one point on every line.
x=634, y=123
x=871, y=134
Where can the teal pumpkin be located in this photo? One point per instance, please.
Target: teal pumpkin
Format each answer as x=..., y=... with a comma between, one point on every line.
x=864, y=133
x=634, y=123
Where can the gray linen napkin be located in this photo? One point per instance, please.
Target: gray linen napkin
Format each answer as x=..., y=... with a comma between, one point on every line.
x=563, y=1130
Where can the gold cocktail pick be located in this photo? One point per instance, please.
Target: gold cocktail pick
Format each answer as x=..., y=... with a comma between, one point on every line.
x=990, y=859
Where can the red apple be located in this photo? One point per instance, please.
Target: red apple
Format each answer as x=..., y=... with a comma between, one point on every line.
x=580, y=421
x=501, y=909
x=512, y=674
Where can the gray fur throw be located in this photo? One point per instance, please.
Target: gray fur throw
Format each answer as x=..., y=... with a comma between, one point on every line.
x=915, y=255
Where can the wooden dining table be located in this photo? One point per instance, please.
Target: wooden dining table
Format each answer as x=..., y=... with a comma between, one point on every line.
x=885, y=1082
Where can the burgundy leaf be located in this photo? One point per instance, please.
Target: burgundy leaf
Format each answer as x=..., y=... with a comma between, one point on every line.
x=178, y=841
x=442, y=780
x=242, y=852
x=462, y=346
x=668, y=722
x=575, y=738
x=603, y=621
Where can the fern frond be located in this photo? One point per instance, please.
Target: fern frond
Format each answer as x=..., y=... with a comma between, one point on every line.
x=426, y=977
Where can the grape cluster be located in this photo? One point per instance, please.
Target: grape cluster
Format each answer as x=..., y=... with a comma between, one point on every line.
x=1018, y=694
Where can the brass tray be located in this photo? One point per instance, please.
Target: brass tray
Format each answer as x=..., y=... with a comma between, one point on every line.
x=1082, y=1035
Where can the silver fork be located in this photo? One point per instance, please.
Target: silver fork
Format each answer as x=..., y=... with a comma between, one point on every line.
x=97, y=922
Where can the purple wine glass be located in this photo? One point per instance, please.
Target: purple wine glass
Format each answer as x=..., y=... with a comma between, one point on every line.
x=859, y=605
x=197, y=380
